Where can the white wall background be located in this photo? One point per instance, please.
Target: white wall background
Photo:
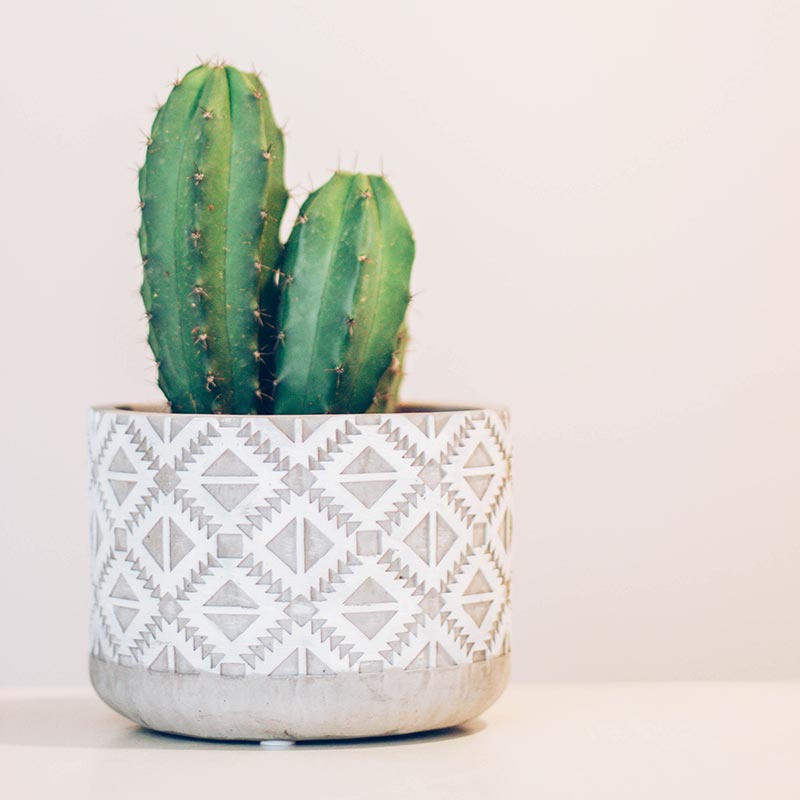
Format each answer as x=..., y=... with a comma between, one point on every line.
x=605, y=197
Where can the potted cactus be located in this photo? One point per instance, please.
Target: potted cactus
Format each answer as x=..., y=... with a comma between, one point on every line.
x=283, y=552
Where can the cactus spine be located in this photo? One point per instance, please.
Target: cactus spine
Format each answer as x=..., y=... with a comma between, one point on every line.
x=212, y=196
x=345, y=274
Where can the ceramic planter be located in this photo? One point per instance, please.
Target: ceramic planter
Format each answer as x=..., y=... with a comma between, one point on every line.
x=299, y=577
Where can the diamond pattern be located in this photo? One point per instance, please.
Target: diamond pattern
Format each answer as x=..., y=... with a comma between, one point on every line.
x=299, y=546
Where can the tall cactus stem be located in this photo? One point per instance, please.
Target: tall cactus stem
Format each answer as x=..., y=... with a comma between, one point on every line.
x=207, y=192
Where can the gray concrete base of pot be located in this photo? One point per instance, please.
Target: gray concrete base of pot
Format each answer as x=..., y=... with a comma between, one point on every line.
x=344, y=705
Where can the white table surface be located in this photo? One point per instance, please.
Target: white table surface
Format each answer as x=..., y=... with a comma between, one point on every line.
x=645, y=741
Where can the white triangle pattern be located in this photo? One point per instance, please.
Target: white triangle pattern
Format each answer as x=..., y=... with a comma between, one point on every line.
x=300, y=547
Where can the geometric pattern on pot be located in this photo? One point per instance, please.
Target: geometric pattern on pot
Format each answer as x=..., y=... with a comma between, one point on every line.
x=299, y=545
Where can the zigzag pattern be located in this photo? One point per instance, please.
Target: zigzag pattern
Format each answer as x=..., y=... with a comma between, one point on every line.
x=300, y=545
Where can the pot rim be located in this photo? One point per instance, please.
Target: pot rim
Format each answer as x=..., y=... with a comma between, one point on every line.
x=405, y=410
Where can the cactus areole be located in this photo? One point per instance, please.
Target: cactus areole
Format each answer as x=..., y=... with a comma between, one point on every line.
x=239, y=324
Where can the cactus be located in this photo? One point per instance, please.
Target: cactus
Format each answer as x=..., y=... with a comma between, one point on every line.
x=237, y=324
x=388, y=392
x=212, y=196
x=345, y=275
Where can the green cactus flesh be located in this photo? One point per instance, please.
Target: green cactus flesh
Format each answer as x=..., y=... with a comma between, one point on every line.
x=345, y=275
x=387, y=395
x=212, y=197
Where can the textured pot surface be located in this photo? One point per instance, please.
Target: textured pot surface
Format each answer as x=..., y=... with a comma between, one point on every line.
x=300, y=577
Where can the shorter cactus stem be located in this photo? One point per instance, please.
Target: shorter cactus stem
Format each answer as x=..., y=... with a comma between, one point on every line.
x=345, y=277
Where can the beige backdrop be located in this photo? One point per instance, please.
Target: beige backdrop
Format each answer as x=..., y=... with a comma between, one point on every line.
x=605, y=197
